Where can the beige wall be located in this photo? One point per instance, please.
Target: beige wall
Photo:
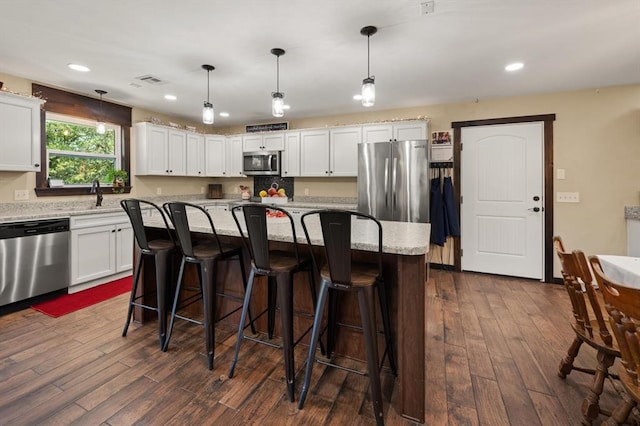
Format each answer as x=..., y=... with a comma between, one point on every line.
x=596, y=141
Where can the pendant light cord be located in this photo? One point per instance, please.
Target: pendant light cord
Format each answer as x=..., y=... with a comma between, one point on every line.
x=368, y=57
x=278, y=73
x=208, y=90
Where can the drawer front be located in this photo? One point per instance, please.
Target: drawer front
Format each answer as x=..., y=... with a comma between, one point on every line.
x=85, y=221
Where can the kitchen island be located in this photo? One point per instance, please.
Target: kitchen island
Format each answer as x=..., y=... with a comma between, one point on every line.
x=405, y=246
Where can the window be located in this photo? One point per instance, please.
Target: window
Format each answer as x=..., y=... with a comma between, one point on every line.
x=80, y=112
x=77, y=154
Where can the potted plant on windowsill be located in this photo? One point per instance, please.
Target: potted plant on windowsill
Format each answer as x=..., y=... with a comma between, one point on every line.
x=118, y=179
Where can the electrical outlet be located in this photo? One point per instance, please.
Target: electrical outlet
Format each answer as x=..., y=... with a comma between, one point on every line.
x=202, y=189
x=21, y=194
x=306, y=191
x=560, y=174
x=158, y=191
x=427, y=7
x=568, y=197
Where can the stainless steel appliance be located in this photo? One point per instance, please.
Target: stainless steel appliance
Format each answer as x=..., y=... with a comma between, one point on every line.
x=393, y=180
x=34, y=258
x=261, y=163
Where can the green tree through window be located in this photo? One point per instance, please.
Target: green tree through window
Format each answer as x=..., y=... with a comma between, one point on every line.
x=77, y=154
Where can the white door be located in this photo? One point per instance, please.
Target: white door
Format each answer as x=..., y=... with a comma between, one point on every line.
x=502, y=187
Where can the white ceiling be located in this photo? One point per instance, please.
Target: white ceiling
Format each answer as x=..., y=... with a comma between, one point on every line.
x=456, y=54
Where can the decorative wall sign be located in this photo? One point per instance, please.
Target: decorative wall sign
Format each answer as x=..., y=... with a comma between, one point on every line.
x=251, y=128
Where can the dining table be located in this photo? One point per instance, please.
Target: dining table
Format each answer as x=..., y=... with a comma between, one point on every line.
x=624, y=270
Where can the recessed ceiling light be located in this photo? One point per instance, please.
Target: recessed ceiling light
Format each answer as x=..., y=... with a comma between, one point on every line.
x=357, y=97
x=514, y=67
x=224, y=114
x=170, y=97
x=285, y=106
x=78, y=67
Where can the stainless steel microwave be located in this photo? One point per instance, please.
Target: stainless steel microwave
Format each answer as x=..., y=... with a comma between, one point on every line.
x=261, y=163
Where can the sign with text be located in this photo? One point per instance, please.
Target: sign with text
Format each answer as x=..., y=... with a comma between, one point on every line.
x=251, y=128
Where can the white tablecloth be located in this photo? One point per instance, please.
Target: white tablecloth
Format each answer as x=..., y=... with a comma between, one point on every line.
x=622, y=269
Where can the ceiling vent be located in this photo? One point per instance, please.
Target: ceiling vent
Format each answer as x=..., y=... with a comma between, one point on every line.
x=149, y=79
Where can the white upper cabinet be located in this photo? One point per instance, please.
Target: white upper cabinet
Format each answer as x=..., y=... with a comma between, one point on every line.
x=314, y=153
x=160, y=150
x=152, y=144
x=410, y=131
x=195, y=155
x=400, y=131
x=291, y=155
x=214, y=156
x=19, y=133
x=233, y=156
x=343, y=150
x=177, y=153
x=263, y=142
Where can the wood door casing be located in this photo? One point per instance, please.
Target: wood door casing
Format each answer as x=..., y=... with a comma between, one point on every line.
x=548, y=120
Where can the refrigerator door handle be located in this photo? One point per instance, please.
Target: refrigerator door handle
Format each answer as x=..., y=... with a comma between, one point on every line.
x=394, y=176
x=386, y=182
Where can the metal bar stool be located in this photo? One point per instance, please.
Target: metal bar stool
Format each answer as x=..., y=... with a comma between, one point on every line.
x=279, y=268
x=342, y=274
x=206, y=255
x=160, y=250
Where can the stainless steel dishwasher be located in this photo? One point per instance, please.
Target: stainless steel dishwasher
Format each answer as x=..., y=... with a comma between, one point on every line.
x=34, y=258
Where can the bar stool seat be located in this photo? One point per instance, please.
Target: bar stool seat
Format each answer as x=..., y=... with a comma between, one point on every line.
x=205, y=254
x=161, y=251
x=342, y=274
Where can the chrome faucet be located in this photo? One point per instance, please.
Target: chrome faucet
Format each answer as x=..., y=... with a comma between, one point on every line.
x=95, y=189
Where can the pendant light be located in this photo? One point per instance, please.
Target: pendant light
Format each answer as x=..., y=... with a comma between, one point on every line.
x=368, y=84
x=207, y=109
x=277, y=98
x=100, y=127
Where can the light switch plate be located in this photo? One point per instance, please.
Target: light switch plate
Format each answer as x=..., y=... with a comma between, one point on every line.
x=560, y=174
x=568, y=197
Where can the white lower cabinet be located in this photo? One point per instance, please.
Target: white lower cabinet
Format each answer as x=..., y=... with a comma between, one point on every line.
x=633, y=238
x=101, y=249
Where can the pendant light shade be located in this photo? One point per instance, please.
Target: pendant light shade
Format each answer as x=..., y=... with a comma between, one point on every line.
x=277, y=97
x=100, y=127
x=207, y=110
x=368, y=84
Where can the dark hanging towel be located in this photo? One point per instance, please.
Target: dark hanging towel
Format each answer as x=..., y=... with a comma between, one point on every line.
x=450, y=212
x=438, y=232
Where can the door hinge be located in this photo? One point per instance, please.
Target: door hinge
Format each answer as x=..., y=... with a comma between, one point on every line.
x=461, y=199
x=461, y=252
x=461, y=146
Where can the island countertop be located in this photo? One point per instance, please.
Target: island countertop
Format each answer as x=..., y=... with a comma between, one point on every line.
x=397, y=237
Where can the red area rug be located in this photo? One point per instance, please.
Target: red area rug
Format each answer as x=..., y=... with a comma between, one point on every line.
x=72, y=302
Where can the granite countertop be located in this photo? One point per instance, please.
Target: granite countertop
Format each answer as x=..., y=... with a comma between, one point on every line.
x=13, y=212
x=632, y=213
x=397, y=237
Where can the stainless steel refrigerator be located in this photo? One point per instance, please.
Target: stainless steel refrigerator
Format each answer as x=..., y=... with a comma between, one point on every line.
x=393, y=180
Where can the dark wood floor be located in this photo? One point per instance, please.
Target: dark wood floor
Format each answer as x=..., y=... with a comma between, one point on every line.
x=493, y=347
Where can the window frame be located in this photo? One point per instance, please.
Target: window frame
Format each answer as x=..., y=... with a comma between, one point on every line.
x=63, y=118
x=82, y=107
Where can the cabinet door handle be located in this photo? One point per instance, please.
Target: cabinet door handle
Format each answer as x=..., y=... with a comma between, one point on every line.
x=119, y=229
x=113, y=230
x=36, y=165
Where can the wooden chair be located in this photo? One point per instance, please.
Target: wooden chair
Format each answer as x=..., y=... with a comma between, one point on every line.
x=623, y=305
x=590, y=330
